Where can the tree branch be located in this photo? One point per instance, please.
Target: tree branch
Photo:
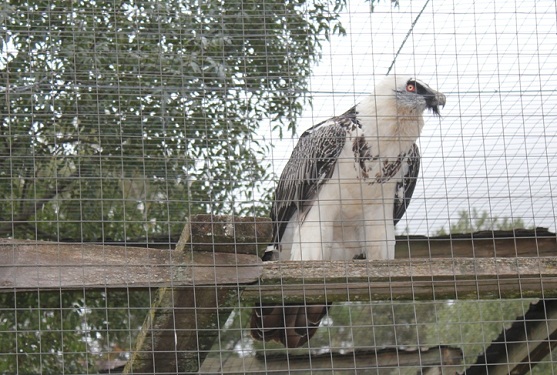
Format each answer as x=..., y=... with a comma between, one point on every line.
x=26, y=213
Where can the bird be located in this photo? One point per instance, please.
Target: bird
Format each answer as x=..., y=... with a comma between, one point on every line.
x=348, y=182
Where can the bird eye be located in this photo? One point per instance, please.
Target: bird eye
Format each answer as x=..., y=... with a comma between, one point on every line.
x=410, y=87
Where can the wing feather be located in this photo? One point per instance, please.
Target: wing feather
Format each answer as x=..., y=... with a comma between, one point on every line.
x=405, y=188
x=311, y=165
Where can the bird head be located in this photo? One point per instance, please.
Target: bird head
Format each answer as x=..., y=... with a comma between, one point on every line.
x=396, y=107
x=417, y=96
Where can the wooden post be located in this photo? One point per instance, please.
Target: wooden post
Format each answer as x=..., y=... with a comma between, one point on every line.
x=184, y=323
x=181, y=329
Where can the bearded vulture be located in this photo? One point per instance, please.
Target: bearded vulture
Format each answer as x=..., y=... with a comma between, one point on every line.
x=346, y=185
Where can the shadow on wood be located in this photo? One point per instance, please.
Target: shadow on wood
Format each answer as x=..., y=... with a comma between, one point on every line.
x=180, y=329
x=520, y=347
x=360, y=360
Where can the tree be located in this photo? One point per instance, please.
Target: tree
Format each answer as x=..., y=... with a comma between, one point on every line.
x=474, y=221
x=122, y=118
x=67, y=333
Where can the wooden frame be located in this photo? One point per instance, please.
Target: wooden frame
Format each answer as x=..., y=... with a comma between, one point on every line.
x=487, y=265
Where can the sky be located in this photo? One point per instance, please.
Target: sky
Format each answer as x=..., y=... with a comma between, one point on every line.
x=494, y=148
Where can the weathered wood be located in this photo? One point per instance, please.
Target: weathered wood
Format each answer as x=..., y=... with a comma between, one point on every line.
x=417, y=279
x=226, y=234
x=520, y=347
x=184, y=323
x=512, y=243
x=360, y=360
x=28, y=265
x=32, y=265
x=180, y=329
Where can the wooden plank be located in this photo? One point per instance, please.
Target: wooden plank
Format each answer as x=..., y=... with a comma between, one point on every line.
x=362, y=360
x=29, y=265
x=417, y=279
x=32, y=265
x=519, y=348
x=513, y=243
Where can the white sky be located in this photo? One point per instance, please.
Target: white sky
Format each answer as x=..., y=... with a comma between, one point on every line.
x=494, y=148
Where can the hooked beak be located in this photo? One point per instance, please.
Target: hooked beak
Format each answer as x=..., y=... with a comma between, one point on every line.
x=433, y=100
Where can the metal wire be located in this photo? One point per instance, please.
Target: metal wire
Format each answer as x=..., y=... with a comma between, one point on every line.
x=141, y=143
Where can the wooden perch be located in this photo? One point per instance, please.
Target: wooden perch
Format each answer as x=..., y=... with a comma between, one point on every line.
x=223, y=250
x=485, y=244
x=360, y=360
x=417, y=279
x=31, y=265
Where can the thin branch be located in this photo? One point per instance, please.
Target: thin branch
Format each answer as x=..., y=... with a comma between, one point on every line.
x=21, y=89
x=26, y=213
x=407, y=35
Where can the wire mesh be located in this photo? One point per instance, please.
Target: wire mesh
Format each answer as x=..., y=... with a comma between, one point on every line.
x=142, y=143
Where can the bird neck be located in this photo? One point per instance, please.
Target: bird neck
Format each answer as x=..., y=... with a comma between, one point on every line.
x=381, y=118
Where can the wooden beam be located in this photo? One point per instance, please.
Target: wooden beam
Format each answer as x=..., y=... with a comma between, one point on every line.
x=484, y=244
x=31, y=265
x=361, y=360
x=520, y=347
x=38, y=265
x=417, y=279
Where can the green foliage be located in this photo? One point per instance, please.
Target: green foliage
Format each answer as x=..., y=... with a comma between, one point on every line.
x=472, y=325
x=121, y=118
x=55, y=333
x=474, y=221
x=349, y=326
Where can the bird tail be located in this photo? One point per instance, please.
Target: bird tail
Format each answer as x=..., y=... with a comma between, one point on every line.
x=292, y=325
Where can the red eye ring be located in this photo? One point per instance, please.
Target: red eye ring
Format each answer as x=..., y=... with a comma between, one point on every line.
x=410, y=87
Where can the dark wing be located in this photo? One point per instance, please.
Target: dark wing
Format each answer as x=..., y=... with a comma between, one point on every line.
x=292, y=325
x=405, y=188
x=311, y=165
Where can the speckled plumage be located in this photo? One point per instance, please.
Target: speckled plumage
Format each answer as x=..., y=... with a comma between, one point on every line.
x=345, y=186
